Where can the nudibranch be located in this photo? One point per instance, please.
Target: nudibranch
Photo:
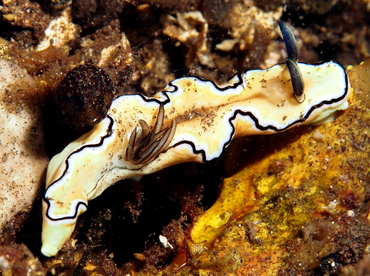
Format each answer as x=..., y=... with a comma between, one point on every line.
x=191, y=120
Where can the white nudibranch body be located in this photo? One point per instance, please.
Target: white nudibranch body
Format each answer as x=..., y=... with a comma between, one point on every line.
x=191, y=120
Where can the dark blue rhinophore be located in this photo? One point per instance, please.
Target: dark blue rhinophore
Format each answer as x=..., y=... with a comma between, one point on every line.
x=289, y=40
x=291, y=61
x=296, y=79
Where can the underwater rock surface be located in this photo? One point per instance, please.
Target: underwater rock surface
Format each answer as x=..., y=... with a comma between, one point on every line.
x=23, y=157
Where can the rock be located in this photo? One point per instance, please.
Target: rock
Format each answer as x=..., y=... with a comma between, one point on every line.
x=22, y=154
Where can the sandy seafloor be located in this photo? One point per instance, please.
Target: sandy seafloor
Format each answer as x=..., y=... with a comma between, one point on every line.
x=295, y=203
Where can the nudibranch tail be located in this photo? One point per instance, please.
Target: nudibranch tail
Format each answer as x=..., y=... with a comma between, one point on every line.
x=56, y=232
x=64, y=199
